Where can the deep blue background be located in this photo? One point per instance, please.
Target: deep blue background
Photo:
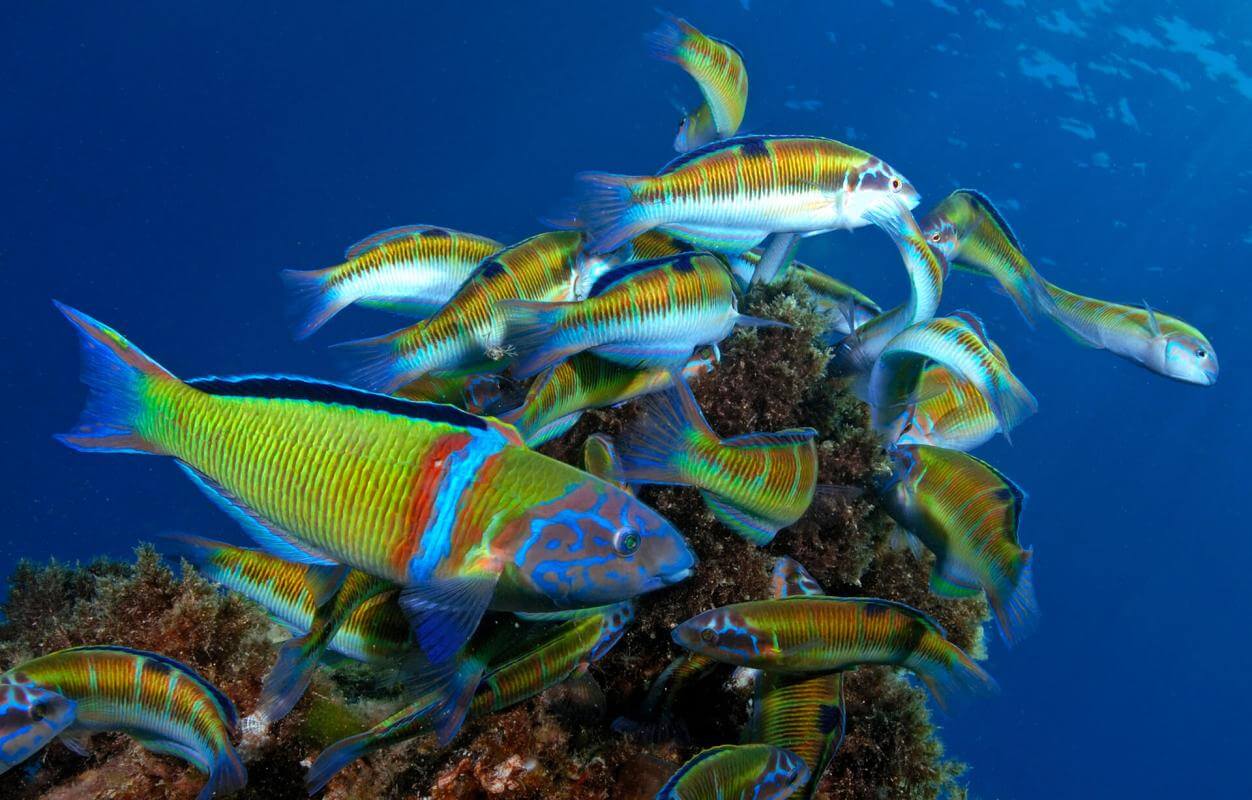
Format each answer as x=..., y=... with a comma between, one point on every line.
x=160, y=162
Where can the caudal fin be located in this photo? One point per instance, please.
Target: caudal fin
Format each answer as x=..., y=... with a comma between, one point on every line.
x=117, y=375
x=952, y=672
x=376, y=363
x=607, y=210
x=1015, y=607
x=286, y=682
x=532, y=332
x=310, y=301
x=650, y=449
x=333, y=759
x=666, y=42
x=227, y=775
x=1011, y=402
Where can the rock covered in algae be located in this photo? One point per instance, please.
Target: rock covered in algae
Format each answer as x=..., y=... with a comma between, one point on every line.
x=548, y=747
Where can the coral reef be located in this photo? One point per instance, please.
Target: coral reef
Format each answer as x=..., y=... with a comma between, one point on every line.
x=547, y=747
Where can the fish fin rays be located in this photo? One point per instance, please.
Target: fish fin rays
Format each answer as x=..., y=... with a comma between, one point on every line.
x=755, y=529
x=445, y=612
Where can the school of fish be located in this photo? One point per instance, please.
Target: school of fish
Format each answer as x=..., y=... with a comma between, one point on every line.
x=405, y=521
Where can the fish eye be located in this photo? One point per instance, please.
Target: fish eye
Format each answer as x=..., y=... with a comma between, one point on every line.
x=1201, y=353
x=895, y=184
x=935, y=237
x=626, y=542
x=708, y=636
x=37, y=712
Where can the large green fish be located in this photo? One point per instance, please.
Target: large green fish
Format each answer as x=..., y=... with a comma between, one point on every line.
x=737, y=772
x=452, y=507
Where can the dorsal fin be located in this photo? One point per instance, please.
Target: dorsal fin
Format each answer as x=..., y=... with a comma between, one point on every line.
x=618, y=274
x=725, y=144
x=228, y=706
x=376, y=240
x=791, y=436
x=982, y=201
x=922, y=616
x=314, y=391
x=975, y=323
x=1015, y=491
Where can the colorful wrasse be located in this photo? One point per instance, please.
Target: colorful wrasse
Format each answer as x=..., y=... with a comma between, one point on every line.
x=975, y=238
x=806, y=635
x=949, y=412
x=800, y=713
x=643, y=315
x=376, y=632
x=718, y=70
x=467, y=334
x=756, y=484
x=967, y=513
x=728, y=196
x=1161, y=343
x=410, y=270
x=452, y=507
x=505, y=671
x=162, y=704
x=30, y=717
x=737, y=772
x=960, y=344
x=927, y=269
x=558, y=398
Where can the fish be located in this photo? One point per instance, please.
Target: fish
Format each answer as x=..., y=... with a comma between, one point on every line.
x=803, y=714
x=558, y=398
x=959, y=343
x=818, y=634
x=730, y=195
x=642, y=315
x=452, y=507
x=508, y=669
x=376, y=632
x=857, y=352
x=755, y=484
x=163, y=705
x=967, y=513
x=718, y=70
x=411, y=270
x=1140, y=334
x=975, y=238
x=467, y=334
x=737, y=772
x=30, y=718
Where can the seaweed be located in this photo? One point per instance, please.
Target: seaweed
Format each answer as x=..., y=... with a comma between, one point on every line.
x=552, y=746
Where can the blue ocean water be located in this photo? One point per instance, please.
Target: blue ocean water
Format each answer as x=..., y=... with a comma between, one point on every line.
x=162, y=161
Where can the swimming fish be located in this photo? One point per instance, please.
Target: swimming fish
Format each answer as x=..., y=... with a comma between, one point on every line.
x=376, y=632
x=756, y=484
x=411, y=270
x=30, y=717
x=803, y=714
x=959, y=343
x=452, y=507
x=467, y=334
x=558, y=398
x=810, y=635
x=645, y=314
x=737, y=772
x=718, y=70
x=730, y=195
x=508, y=670
x=162, y=704
x=967, y=513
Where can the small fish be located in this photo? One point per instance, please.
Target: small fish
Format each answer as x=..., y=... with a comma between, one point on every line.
x=810, y=635
x=643, y=315
x=718, y=70
x=730, y=195
x=959, y=343
x=467, y=334
x=967, y=513
x=411, y=270
x=30, y=717
x=162, y=704
x=948, y=412
x=756, y=484
x=558, y=398
x=800, y=713
x=507, y=670
x=452, y=507
x=737, y=772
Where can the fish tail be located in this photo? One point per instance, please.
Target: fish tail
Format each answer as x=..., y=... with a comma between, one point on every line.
x=288, y=679
x=608, y=211
x=117, y=375
x=333, y=759
x=533, y=332
x=651, y=449
x=310, y=301
x=375, y=363
x=1014, y=604
x=668, y=40
x=1012, y=402
x=227, y=775
x=950, y=672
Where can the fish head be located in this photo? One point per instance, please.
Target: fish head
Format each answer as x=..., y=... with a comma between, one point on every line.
x=1184, y=356
x=596, y=544
x=878, y=192
x=30, y=717
x=695, y=130
x=725, y=635
x=945, y=224
x=784, y=773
